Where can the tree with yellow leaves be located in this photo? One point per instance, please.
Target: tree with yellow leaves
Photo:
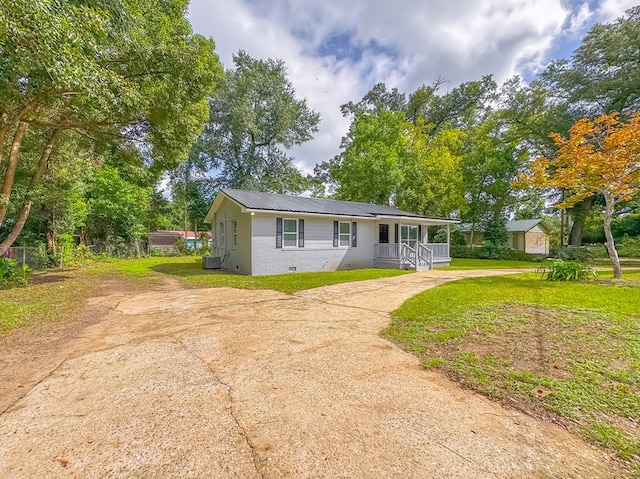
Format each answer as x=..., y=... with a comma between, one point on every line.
x=600, y=157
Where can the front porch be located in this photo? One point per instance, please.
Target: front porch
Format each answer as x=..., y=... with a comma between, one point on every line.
x=411, y=255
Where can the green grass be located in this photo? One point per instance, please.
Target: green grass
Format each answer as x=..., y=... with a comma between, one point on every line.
x=570, y=349
x=188, y=270
x=467, y=263
x=58, y=296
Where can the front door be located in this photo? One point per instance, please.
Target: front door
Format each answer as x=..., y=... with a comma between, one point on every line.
x=383, y=236
x=409, y=235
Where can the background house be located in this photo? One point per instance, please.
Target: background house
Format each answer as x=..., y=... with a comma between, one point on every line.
x=167, y=241
x=530, y=236
x=262, y=233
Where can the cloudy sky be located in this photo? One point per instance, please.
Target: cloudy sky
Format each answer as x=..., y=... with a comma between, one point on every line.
x=336, y=50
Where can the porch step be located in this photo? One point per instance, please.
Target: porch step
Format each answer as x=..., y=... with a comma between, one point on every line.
x=393, y=263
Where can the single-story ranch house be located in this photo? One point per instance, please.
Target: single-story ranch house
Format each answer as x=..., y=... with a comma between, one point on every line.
x=530, y=236
x=263, y=233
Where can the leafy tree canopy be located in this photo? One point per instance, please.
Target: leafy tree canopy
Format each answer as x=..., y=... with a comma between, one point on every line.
x=390, y=161
x=600, y=156
x=110, y=71
x=603, y=73
x=255, y=118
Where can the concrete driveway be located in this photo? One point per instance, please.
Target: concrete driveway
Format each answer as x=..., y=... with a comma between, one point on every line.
x=226, y=383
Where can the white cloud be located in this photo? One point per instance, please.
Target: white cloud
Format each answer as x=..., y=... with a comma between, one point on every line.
x=336, y=50
x=610, y=10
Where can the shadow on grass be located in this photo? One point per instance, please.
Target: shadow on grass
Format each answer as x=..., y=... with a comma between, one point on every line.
x=185, y=270
x=44, y=278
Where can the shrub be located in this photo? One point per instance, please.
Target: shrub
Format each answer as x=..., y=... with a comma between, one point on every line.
x=489, y=251
x=560, y=270
x=629, y=247
x=581, y=254
x=80, y=255
x=12, y=274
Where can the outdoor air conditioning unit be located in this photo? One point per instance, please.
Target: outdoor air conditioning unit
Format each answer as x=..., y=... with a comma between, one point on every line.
x=211, y=262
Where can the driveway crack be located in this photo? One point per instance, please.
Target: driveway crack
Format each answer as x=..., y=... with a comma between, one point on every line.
x=231, y=408
x=42, y=379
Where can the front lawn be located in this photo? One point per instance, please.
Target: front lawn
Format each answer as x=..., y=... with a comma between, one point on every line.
x=58, y=295
x=48, y=298
x=468, y=263
x=188, y=270
x=569, y=351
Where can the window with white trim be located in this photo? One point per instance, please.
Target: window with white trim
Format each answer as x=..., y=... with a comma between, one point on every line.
x=235, y=233
x=290, y=233
x=345, y=234
x=222, y=234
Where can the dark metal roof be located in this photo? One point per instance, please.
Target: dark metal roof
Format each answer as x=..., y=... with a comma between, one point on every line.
x=512, y=226
x=298, y=204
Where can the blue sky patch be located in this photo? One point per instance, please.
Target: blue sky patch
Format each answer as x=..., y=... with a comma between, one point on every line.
x=344, y=46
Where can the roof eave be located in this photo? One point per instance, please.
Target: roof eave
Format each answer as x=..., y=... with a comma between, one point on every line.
x=424, y=219
x=306, y=213
x=220, y=196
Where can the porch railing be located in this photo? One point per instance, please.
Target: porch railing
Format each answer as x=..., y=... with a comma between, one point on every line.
x=408, y=254
x=393, y=250
x=424, y=256
x=388, y=250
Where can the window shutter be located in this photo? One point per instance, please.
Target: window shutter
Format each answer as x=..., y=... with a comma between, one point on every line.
x=301, y=233
x=354, y=234
x=335, y=234
x=395, y=233
x=420, y=234
x=278, y=232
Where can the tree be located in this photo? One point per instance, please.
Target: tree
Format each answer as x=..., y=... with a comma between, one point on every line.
x=601, y=77
x=101, y=71
x=603, y=73
x=191, y=193
x=495, y=232
x=255, y=117
x=490, y=162
x=461, y=107
x=600, y=157
x=376, y=100
x=118, y=211
x=431, y=172
x=370, y=167
x=389, y=161
x=407, y=152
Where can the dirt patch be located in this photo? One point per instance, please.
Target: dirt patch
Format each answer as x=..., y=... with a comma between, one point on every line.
x=31, y=353
x=526, y=337
x=173, y=382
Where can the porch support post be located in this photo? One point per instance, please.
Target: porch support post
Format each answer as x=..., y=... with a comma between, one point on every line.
x=448, y=240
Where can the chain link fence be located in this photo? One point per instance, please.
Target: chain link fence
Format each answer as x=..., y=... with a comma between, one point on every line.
x=35, y=258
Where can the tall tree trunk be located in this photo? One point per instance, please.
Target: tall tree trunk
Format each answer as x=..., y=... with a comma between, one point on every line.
x=51, y=242
x=9, y=174
x=28, y=201
x=17, y=228
x=5, y=124
x=610, y=244
x=579, y=213
x=4, y=127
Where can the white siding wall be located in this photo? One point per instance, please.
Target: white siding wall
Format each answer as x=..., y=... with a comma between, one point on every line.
x=234, y=258
x=318, y=253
